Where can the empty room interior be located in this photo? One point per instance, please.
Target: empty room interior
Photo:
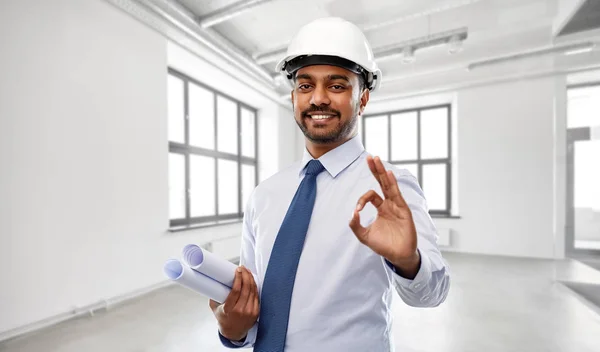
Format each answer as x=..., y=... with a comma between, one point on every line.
x=300, y=175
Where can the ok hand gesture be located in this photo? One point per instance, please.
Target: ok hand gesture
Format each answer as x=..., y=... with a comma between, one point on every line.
x=392, y=234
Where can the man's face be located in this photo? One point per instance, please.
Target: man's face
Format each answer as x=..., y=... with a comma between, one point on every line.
x=327, y=101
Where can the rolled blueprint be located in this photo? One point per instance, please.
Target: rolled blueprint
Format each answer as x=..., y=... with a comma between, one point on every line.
x=210, y=264
x=185, y=276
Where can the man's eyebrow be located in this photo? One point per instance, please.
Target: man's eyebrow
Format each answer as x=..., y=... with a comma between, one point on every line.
x=335, y=77
x=329, y=77
x=304, y=76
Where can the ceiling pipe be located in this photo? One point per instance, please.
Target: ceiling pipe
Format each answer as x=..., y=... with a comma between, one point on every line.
x=485, y=82
x=229, y=12
x=566, y=48
x=531, y=53
x=185, y=20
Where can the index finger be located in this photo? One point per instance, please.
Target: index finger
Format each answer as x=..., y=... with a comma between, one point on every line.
x=234, y=295
x=378, y=172
x=388, y=183
x=394, y=191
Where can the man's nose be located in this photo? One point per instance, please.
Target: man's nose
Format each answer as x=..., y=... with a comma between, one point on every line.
x=320, y=96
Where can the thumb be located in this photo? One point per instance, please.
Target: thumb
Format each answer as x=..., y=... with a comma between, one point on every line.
x=213, y=304
x=357, y=228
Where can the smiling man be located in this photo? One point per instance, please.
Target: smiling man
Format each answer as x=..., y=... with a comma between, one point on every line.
x=333, y=236
x=320, y=122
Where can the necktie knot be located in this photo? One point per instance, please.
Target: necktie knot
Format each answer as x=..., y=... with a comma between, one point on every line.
x=314, y=167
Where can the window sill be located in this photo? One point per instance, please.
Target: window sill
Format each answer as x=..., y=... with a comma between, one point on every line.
x=204, y=225
x=237, y=221
x=440, y=216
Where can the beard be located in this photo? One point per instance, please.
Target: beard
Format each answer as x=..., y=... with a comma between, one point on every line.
x=330, y=134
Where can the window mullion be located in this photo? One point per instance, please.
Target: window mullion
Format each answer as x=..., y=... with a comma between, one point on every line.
x=449, y=164
x=187, y=154
x=215, y=113
x=239, y=158
x=419, y=161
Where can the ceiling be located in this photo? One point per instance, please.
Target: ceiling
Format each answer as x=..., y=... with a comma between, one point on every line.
x=586, y=17
x=501, y=36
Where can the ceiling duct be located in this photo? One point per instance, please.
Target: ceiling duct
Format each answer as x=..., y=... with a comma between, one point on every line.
x=185, y=20
x=229, y=12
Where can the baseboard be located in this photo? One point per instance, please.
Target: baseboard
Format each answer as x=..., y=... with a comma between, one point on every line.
x=81, y=311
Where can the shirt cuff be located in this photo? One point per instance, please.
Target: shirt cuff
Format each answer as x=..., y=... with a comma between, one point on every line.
x=248, y=341
x=231, y=344
x=423, y=275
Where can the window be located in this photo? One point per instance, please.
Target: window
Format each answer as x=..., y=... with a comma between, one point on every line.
x=212, y=153
x=583, y=106
x=417, y=140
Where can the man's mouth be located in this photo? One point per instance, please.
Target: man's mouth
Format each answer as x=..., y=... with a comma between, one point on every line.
x=320, y=116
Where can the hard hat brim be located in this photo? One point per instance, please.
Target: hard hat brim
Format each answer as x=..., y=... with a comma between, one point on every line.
x=290, y=65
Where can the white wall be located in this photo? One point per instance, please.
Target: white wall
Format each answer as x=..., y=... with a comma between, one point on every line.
x=83, y=149
x=505, y=167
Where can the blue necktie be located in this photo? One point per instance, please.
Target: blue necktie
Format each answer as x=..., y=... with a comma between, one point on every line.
x=281, y=270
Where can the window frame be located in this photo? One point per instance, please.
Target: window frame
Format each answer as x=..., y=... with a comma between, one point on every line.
x=574, y=134
x=186, y=150
x=447, y=212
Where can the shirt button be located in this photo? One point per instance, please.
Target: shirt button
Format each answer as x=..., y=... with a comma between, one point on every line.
x=425, y=298
x=417, y=285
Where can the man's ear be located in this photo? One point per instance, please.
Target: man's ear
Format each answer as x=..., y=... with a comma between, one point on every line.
x=364, y=99
x=292, y=95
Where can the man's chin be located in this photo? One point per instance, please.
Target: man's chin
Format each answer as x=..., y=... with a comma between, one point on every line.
x=319, y=138
x=322, y=134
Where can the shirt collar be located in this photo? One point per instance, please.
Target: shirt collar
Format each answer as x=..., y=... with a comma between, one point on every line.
x=336, y=160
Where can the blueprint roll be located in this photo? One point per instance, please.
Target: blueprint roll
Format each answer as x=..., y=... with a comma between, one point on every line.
x=209, y=264
x=202, y=284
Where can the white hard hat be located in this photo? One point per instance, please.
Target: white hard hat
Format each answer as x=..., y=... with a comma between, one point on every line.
x=331, y=41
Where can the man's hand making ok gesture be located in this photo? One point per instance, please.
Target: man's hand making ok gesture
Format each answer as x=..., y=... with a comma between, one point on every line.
x=392, y=234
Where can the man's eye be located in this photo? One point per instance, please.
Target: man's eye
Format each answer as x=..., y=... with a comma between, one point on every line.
x=304, y=86
x=337, y=87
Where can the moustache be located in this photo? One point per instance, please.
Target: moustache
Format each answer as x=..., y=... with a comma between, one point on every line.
x=321, y=109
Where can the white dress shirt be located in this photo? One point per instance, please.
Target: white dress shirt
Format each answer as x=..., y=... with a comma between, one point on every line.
x=342, y=294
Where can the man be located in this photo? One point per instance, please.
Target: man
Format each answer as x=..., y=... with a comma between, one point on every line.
x=332, y=237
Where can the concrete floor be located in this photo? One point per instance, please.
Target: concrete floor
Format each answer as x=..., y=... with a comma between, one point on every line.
x=495, y=304
x=593, y=261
